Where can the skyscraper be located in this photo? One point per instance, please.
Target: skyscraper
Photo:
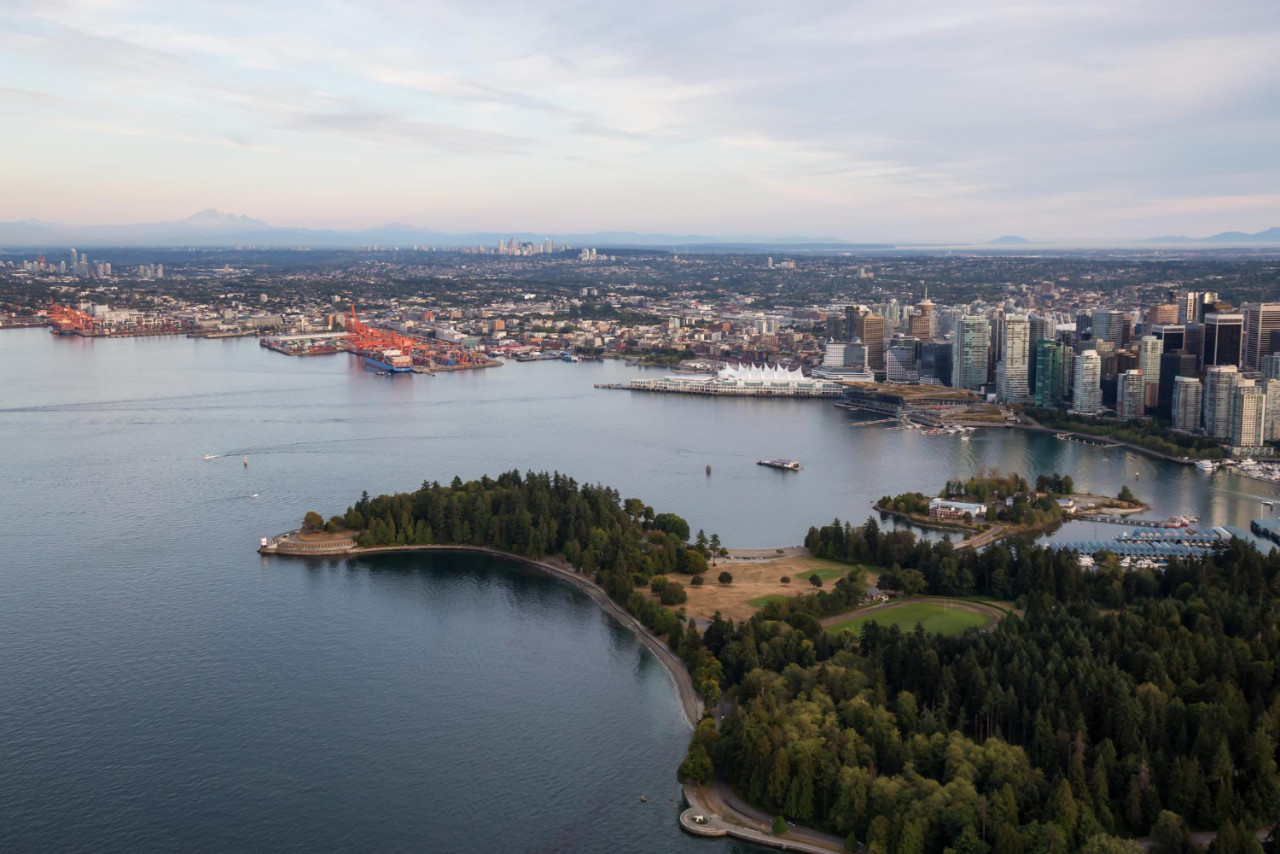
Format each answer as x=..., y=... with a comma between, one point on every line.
x=1011, y=373
x=1248, y=406
x=1131, y=395
x=1219, y=386
x=1261, y=319
x=969, y=352
x=1149, y=352
x=871, y=331
x=1187, y=397
x=1163, y=313
x=1223, y=339
x=1086, y=383
x=1271, y=420
x=1053, y=362
x=1179, y=363
x=1270, y=367
x=1110, y=326
x=1189, y=307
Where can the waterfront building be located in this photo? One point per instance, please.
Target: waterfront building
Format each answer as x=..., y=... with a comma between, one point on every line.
x=1150, y=348
x=1011, y=372
x=1223, y=339
x=744, y=381
x=1271, y=416
x=1248, y=408
x=969, y=354
x=1086, y=383
x=1219, y=388
x=1131, y=394
x=941, y=508
x=1053, y=369
x=901, y=363
x=1261, y=322
x=1187, y=401
x=1173, y=365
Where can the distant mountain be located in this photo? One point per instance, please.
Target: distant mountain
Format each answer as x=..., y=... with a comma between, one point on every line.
x=1010, y=240
x=215, y=228
x=1271, y=235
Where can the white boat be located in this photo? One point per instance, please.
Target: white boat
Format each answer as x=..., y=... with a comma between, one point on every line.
x=964, y=438
x=1205, y=465
x=208, y=456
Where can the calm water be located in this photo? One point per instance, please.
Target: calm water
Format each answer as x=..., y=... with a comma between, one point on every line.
x=162, y=687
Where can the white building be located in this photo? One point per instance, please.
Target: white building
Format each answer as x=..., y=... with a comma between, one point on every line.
x=1149, y=351
x=1248, y=406
x=1219, y=386
x=1011, y=372
x=1131, y=392
x=1188, y=395
x=1086, y=385
x=744, y=381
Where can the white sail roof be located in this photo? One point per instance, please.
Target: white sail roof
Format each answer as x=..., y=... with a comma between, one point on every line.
x=761, y=373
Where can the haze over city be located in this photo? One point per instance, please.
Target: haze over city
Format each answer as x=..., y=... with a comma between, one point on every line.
x=873, y=122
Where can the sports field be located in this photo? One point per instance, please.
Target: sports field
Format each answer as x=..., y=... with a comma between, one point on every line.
x=948, y=616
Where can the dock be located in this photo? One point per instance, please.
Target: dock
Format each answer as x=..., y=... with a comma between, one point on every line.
x=1159, y=545
x=1269, y=528
x=1085, y=439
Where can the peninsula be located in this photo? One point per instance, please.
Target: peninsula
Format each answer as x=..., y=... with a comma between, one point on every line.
x=905, y=740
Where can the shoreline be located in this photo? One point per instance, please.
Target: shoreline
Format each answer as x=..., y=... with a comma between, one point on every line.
x=1137, y=449
x=690, y=702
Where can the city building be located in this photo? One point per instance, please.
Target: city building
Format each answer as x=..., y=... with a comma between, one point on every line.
x=1150, y=349
x=1223, y=340
x=1131, y=394
x=1163, y=313
x=1173, y=365
x=1011, y=373
x=871, y=331
x=1053, y=372
x=1219, y=389
x=1248, y=408
x=1271, y=418
x=1270, y=367
x=1187, y=402
x=1110, y=326
x=970, y=348
x=1261, y=328
x=1086, y=387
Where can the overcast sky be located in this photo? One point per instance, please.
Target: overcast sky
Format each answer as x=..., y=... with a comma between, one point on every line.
x=883, y=120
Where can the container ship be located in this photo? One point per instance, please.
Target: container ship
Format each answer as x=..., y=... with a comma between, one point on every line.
x=392, y=361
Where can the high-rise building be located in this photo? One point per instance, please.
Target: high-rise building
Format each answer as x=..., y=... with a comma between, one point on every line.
x=969, y=351
x=935, y=363
x=1248, y=407
x=1110, y=326
x=1187, y=397
x=1131, y=400
x=1041, y=328
x=1011, y=373
x=924, y=320
x=1270, y=367
x=1172, y=365
x=1150, y=349
x=1086, y=387
x=1271, y=420
x=1189, y=307
x=1261, y=319
x=1219, y=387
x=871, y=331
x=1173, y=336
x=901, y=364
x=1223, y=339
x=1163, y=313
x=1053, y=369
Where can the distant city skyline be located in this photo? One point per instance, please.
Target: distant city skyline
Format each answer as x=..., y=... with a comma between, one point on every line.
x=884, y=122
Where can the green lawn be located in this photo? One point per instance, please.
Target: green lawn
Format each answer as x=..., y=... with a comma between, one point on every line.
x=934, y=616
x=761, y=601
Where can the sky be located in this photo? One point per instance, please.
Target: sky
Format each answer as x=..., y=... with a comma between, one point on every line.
x=866, y=120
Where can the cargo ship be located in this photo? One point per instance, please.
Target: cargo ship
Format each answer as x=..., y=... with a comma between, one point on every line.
x=392, y=361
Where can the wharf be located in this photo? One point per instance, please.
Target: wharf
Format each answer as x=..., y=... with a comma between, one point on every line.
x=1085, y=439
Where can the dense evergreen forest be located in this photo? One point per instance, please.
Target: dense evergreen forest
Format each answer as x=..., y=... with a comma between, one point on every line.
x=1118, y=704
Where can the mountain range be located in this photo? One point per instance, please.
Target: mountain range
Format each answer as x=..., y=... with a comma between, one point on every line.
x=214, y=228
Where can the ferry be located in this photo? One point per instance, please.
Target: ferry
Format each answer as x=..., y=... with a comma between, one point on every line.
x=566, y=356
x=1206, y=465
x=785, y=465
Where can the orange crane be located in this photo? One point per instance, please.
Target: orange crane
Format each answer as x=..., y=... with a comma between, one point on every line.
x=366, y=340
x=70, y=321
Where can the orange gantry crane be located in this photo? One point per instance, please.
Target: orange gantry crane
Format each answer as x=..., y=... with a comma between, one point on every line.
x=366, y=340
x=70, y=321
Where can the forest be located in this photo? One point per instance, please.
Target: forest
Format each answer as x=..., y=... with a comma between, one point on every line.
x=1116, y=705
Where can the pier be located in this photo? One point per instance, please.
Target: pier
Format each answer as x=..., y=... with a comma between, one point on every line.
x=1085, y=439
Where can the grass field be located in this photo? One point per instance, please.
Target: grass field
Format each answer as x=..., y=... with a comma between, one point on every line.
x=761, y=601
x=949, y=618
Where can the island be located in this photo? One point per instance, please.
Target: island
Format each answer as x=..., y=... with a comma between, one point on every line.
x=1101, y=707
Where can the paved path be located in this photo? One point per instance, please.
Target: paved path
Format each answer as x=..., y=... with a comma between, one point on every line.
x=725, y=815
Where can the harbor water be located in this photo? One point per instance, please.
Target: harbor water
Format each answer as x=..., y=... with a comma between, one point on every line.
x=163, y=687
